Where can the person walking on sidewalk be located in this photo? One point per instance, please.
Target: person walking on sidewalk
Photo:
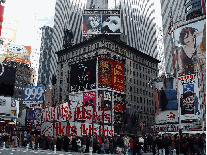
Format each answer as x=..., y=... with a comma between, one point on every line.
x=79, y=144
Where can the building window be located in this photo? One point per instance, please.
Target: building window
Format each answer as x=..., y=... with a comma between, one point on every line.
x=137, y=90
x=130, y=89
x=134, y=81
x=134, y=98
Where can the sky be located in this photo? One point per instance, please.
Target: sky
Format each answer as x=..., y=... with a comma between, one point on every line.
x=30, y=15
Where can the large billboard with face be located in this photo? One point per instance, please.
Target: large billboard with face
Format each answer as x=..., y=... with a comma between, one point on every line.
x=190, y=102
x=101, y=22
x=83, y=76
x=190, y=45
x=18, y=53
x=110, y=74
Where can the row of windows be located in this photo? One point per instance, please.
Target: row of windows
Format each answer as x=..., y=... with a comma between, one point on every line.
x=141, y=91
x=142, y=100
x=147, y=109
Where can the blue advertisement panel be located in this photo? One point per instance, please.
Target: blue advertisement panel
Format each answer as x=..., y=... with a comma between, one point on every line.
x=34, y=93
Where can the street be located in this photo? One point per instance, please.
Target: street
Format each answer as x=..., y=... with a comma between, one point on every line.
x=22, y=151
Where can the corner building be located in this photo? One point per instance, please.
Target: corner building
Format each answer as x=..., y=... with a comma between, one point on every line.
x=139, y=69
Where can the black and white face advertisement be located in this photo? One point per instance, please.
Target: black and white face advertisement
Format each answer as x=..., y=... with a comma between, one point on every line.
x=111, y=24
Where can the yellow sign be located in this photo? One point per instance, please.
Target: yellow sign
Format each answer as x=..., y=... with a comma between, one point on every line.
x=13, y=111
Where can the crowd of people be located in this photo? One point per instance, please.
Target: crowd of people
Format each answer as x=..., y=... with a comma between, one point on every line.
x=193, y=144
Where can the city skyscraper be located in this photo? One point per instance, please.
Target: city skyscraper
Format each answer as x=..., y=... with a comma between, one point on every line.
x=139, y=27
x=45, y=63
x=68, y=15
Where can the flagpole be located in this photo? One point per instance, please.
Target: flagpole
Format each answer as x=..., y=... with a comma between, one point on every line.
x=175, y=64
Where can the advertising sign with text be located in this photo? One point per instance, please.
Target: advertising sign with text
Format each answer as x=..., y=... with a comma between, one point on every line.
x=190, y=103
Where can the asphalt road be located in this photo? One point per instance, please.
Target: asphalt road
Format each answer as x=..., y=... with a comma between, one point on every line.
x=23, y=151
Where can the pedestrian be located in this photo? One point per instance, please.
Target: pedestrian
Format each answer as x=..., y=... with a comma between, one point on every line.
x=33, y=139
x=184, y=144
x=15, y=138
x=196, y=148
x=95, y=144
x=131, y=146
x=145, y=144
x=126, y=143
x=25, y=139
x=106, y=146
x=54, y=141
x=201, y=144
x=37, y=142
x=141, y=144
x=88, y=139
x=59, y=143
x=66, y=143
x=100, y=142
x=83, y=143
x=79, y=144
x=154, y=145
x=178, y=144
x=173, y=143
x=190, y=145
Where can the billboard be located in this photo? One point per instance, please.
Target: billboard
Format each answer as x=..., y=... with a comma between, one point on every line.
x=101, y=22
x=89, y=99
x=104, y=100
x=30, y=114
x=1, y=16
x=7, y=74
x=190, y=102
x=33, y=94
x=7, y=79
x=166, y=104
x=18, y=53
x=110, y=74
x=111, y=24
x=83, y=76
x=190, y=45
x=91, y=24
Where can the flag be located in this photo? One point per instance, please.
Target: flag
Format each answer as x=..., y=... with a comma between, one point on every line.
x=170, y=24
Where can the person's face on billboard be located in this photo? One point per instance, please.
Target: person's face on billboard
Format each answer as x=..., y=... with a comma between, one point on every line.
x=113, y=22
x=188, y=39
x=189, y=100
x=94, y=22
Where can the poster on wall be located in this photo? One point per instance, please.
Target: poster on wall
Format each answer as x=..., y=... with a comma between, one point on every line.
x=167, y=106
x=110, y=74
x=89, y=99
x=83, y=76
x=104, y=100
x=190, y=45
x=105, y=72
x=190, y=103
x=18, y=53
x=111, y=24
x=91, y=24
